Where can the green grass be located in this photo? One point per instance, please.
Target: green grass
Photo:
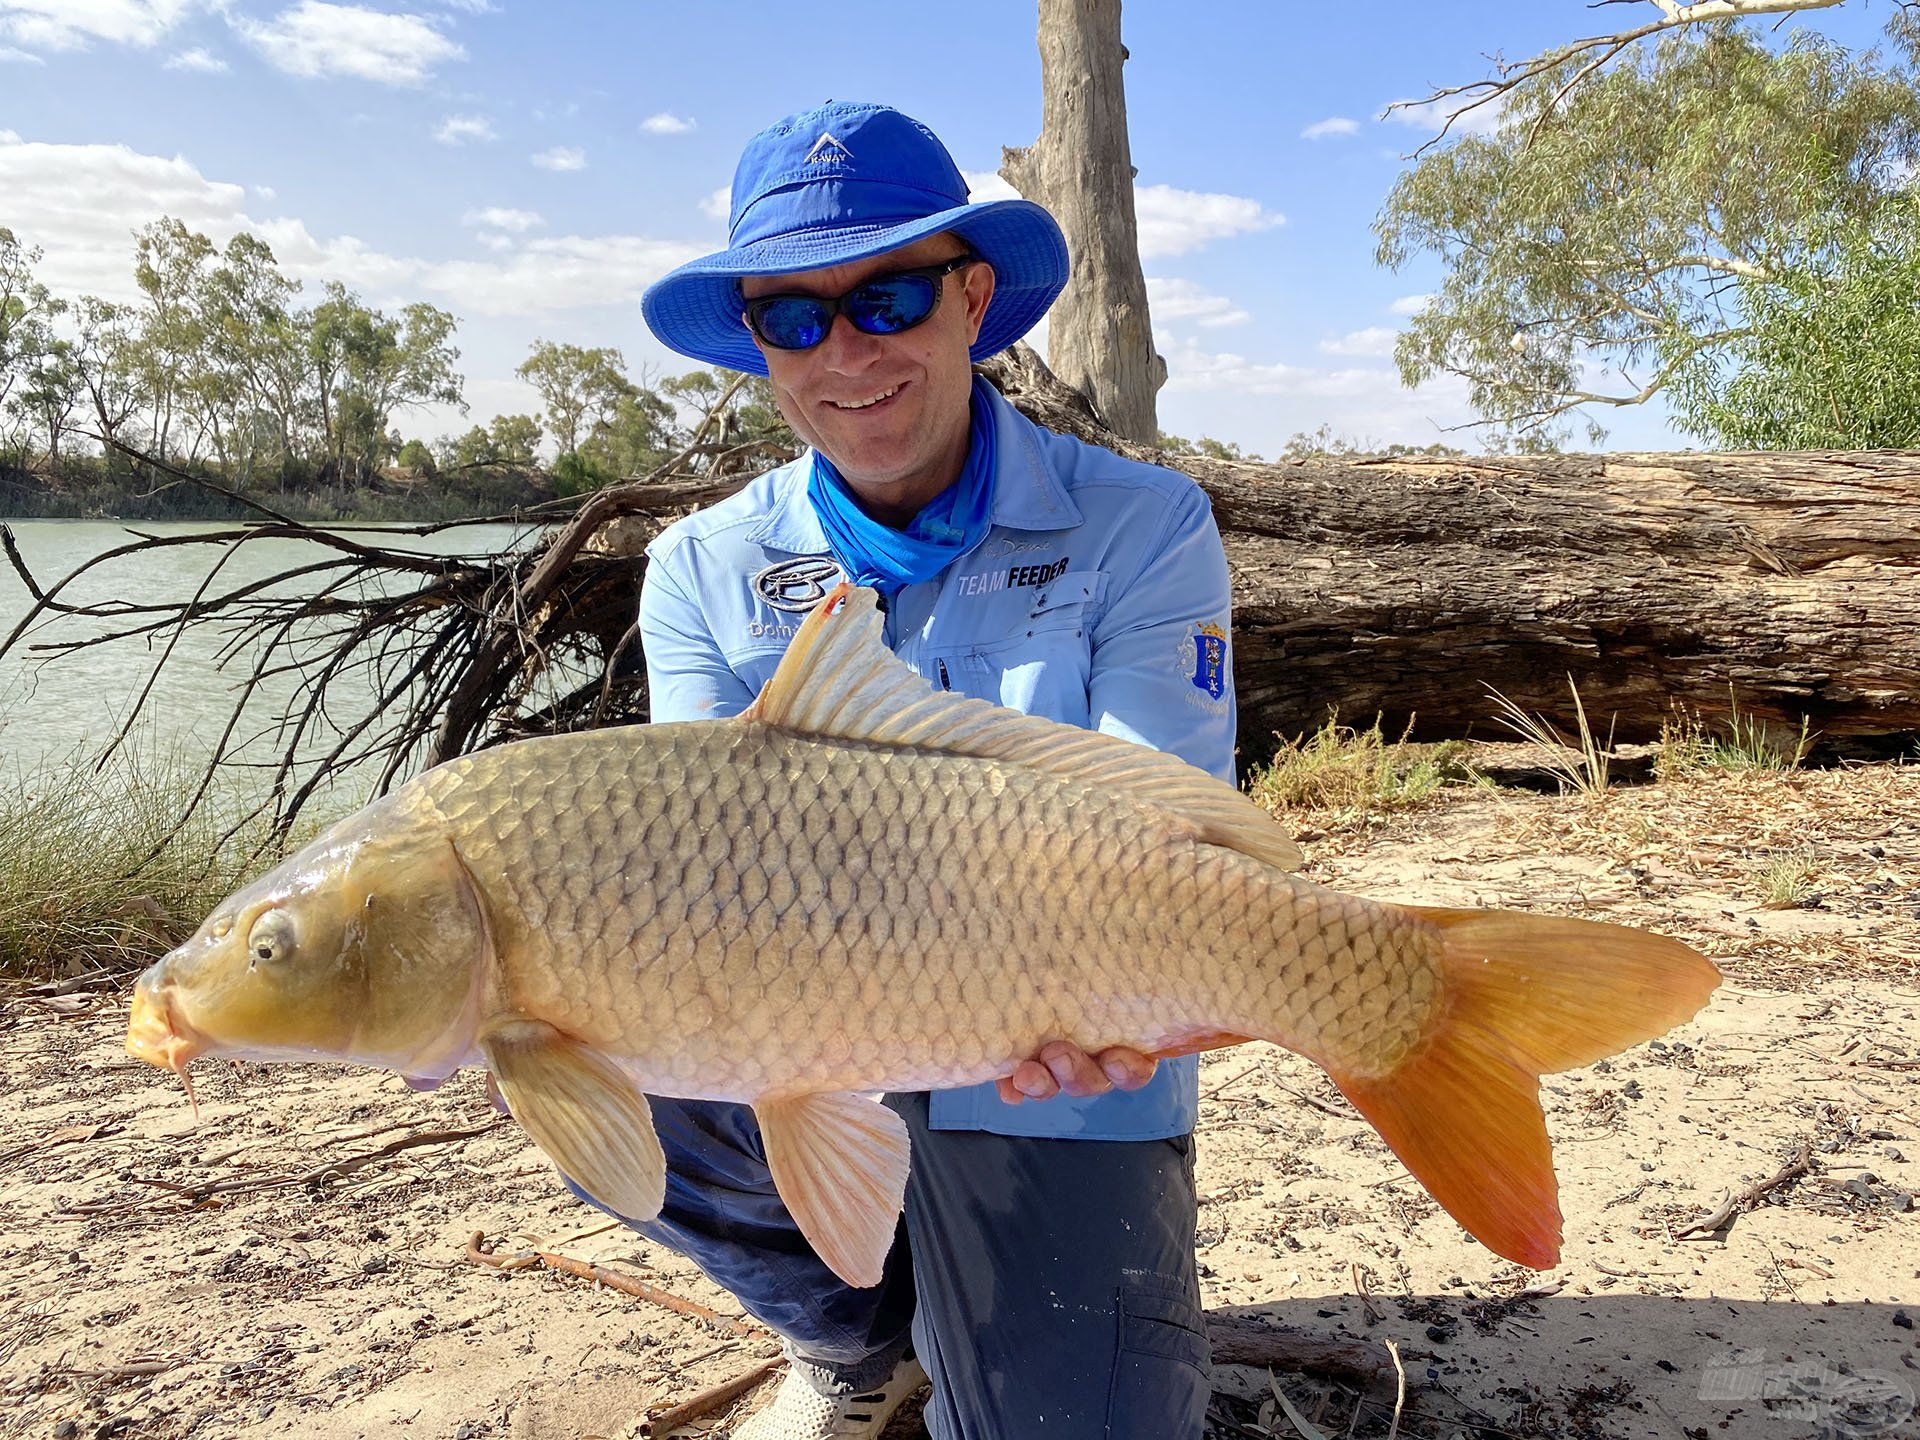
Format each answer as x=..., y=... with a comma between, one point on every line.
x=93, y=872
x=1355, y=772
x=1739, y=742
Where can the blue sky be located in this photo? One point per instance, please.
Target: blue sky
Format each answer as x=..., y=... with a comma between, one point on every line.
x=531, y=166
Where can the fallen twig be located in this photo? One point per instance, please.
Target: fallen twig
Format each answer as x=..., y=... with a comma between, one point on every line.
x=478, y=1253
x=1723, y=1213
x=664, y=1422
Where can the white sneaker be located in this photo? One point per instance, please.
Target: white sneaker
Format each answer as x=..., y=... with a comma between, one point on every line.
x=800, y=1412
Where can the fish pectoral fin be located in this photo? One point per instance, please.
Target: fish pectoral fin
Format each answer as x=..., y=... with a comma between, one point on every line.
x=840, y=1163
x=583, y=1111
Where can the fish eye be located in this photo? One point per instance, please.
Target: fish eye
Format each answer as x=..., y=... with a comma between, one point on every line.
x=271, y=938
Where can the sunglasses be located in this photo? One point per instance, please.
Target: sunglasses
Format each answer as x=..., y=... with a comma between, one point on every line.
x=884, y=305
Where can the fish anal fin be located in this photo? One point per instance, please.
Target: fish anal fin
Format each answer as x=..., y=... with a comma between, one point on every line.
x=840, y=1163
x=583, y=1111
x=1196, y=1044
x=838, y=679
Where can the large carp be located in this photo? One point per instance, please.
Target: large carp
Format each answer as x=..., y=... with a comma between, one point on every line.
x=864, y=884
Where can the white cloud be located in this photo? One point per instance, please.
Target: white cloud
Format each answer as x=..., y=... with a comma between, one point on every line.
x=73, y=24
x=1171, y=221
x=719, y=204
x=496, y=217
x=1373, y=343
x=1332, y=125
x=1174, y=222
x=1171, y=299
x=458, y=129
x=1410, y=304
x=561, y=158
x=984, y=185
x=666, y=123
x=1432, y=115
x=265, y=192
x=1361, y=402
x=197, y=59
x=81, y=204
x=11, y=56
x=316, y=38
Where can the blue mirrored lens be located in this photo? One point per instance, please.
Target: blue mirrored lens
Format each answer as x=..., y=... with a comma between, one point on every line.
x=887, y=307
x=794, y=323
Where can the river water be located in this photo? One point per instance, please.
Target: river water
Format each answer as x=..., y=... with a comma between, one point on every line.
x=55, y=709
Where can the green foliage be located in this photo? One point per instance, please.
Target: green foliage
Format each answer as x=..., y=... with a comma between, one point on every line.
x=577, y=474
x=1606, y=225
x=95, y=871
x=1327, y=443
x=1207, y=447
x=1355, y=772
x=1828, y=357
x=580, y=388
x=416, y=456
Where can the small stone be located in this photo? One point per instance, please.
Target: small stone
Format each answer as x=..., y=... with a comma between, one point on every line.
x=65, y=1430
x=374, y=1265
x=1903, y=1320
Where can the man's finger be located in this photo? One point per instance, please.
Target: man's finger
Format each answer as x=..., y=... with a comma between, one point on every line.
x=1127, y=1068
x=1074, y=1069
x=1033, y=1081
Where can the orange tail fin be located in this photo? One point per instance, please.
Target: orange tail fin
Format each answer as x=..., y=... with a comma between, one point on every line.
x=1526, y=995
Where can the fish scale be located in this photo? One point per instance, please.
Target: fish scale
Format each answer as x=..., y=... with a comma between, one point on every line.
x=863, y=884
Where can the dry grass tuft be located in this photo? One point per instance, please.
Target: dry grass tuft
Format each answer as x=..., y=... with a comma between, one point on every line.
x=1339, y=773
x=1581, y=767
x=93, y=873
x=1740, y=742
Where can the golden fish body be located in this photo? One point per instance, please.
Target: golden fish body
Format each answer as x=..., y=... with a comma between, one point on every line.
x=738, y=911
x=861, y=885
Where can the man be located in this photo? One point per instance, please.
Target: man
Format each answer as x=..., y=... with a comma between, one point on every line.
x=1045, y=1275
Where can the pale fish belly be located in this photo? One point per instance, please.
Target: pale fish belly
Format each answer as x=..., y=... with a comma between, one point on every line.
x=737, y=912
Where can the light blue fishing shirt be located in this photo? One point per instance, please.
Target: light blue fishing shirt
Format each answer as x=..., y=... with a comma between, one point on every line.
x=1098, y=597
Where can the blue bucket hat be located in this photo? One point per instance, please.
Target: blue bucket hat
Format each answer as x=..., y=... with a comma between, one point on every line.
x=847, y=182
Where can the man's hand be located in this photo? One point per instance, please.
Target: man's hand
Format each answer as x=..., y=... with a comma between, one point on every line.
x=1063, y=1066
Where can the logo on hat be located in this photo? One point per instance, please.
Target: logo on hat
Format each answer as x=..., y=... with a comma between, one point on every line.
x=827, y=147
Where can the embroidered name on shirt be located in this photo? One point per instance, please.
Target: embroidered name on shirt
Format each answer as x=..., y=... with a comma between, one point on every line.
x=1014, y=577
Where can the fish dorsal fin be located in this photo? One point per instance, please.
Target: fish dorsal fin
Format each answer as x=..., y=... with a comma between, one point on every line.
x=839, y=679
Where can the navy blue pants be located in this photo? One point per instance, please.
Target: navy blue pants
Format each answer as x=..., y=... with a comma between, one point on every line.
x=1048, y=1286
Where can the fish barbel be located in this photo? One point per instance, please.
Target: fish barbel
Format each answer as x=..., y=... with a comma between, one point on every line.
x=864, y=884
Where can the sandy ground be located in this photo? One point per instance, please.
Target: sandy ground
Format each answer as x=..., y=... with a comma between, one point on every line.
x=164, y=1278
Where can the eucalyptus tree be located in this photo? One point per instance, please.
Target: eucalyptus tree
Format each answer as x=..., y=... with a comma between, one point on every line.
x=169, y=267
x=1638, y=194
x=1829, y=354
x=580, y=388
x=27, y=309
x=365, y=365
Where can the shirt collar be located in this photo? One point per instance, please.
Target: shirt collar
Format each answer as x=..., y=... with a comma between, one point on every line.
x=1027, y=495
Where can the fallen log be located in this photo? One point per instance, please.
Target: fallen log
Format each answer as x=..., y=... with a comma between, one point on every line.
x=1787, y=585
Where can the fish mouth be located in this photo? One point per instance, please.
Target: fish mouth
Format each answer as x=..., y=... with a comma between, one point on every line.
x=156, y=1034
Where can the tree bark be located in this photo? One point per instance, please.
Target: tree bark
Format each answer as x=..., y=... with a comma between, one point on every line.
x=1787, y=584
x=1099, y=336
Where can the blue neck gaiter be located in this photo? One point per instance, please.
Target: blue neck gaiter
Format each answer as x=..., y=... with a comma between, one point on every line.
x=952, y=523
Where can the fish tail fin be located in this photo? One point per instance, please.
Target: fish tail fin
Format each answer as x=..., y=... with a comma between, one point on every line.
x=1524, y=995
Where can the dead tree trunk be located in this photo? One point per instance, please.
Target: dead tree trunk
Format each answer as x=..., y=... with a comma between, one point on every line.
x=1100, y=338
x=1788, y=584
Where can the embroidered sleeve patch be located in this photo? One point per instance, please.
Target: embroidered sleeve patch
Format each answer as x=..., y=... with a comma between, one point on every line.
x=1203, y=659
